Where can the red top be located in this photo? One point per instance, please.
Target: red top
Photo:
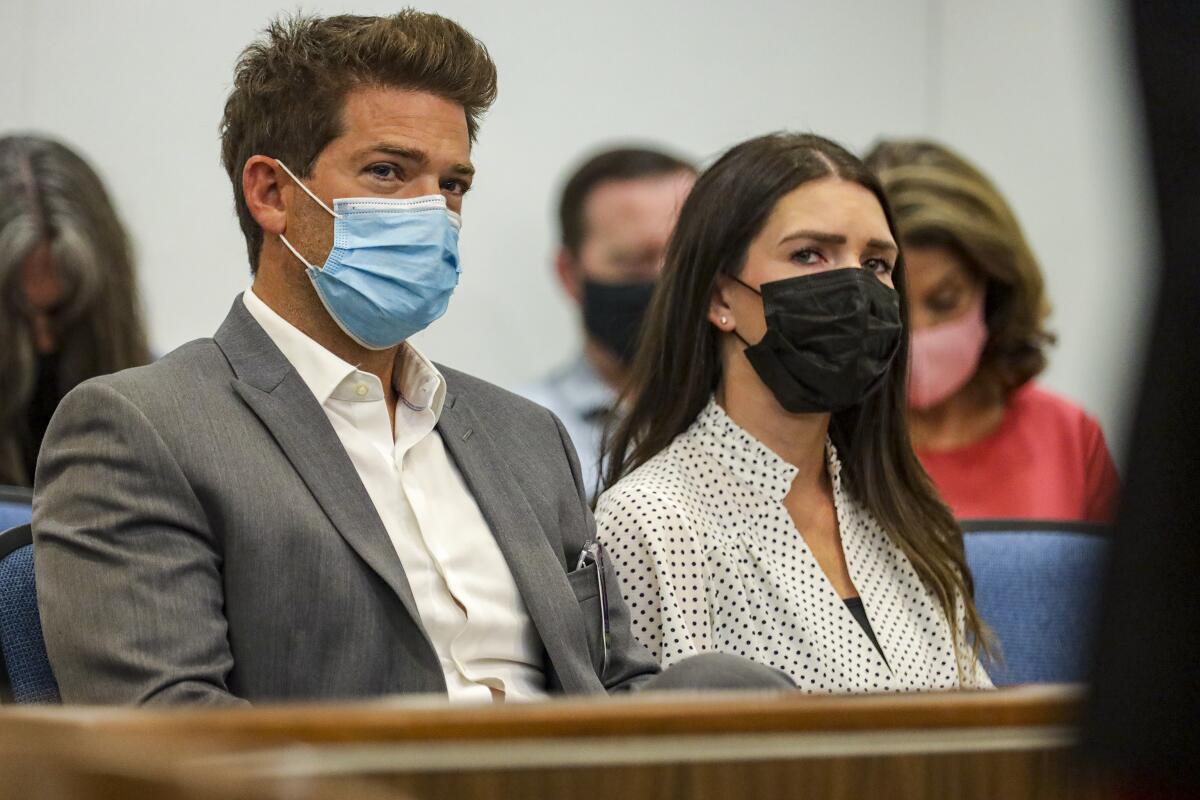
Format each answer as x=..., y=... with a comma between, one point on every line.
x=1047, y=460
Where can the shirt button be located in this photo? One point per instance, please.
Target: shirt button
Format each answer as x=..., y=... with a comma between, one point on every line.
x=361, y=390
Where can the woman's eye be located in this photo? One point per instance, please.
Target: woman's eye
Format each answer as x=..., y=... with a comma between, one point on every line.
x=880, y=266
x=943, y=303
x=806, y=256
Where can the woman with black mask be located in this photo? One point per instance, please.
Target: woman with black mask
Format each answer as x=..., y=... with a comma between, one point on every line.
x=765, y=498
x=68, y=299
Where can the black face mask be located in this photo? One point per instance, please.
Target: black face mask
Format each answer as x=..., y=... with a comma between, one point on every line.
x=613, y=314
x=830, y=339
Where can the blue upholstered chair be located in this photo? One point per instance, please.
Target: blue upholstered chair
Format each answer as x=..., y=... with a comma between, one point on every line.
x=24, y=652
x=1037, y=585
x=16, y=506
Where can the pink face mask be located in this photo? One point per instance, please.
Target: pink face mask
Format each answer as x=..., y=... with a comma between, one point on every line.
x=944, y=358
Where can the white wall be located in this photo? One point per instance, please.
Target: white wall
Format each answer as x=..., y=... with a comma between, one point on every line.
x=1041, y=94
x=1036, y=92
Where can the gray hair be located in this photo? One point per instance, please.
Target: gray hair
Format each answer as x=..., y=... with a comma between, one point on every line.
x=49, y=194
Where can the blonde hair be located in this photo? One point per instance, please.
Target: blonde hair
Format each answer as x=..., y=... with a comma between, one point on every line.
x=942, y=200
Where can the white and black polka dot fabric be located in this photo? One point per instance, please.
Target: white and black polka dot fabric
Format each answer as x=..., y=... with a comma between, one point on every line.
x=709, y=559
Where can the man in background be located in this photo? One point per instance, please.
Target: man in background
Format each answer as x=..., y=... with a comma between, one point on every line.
x=616, y=215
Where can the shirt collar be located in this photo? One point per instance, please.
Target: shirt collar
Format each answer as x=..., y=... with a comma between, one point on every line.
x=418, y=383
x=747, y=459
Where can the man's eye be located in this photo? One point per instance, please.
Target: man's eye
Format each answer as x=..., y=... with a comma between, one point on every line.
x=456, y=186
x=383, y=171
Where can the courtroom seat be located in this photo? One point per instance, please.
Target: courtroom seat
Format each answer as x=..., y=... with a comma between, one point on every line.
x=23, y=649
x=16, y=506
x=15, y=509
x=1037, y=586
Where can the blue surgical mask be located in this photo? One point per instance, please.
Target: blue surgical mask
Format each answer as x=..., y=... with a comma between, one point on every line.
x=393, y=266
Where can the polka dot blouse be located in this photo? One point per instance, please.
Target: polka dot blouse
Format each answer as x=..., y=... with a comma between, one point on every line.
x=709, y=559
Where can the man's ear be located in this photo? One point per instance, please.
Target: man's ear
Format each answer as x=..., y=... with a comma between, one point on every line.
x=263, y=182
x=570, y=274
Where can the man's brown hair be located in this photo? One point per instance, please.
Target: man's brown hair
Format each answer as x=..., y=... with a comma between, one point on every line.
x=289, y=87
x=942, y=200
x=619, y=164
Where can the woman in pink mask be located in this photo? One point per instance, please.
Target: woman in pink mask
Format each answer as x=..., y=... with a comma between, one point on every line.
x=996, y=445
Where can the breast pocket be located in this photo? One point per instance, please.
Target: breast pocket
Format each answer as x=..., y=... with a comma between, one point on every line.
x=585, y=584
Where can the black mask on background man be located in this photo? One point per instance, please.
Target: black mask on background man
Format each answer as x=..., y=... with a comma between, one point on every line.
x=613, y=314
x=830, y=340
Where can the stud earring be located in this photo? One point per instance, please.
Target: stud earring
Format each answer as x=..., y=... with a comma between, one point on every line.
x=724, y=320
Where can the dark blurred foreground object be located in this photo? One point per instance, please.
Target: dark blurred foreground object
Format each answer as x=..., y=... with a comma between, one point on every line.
x=1145, y=716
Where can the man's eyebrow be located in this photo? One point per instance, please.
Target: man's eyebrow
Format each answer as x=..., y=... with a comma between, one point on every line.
x=409, y=153
x=420, y=157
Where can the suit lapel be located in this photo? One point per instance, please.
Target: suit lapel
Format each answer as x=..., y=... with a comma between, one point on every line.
x=285, y=405
x=539, y=572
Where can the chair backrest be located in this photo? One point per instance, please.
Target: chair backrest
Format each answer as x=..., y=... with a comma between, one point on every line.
x=1037, y=585
x=24, y=651
x=16, y=506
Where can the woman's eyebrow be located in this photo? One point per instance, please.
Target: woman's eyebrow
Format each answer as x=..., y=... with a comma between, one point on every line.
x=882, y=245
x=816, y=236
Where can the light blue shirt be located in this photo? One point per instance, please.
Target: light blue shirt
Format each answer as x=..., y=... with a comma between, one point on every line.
x=579, y=397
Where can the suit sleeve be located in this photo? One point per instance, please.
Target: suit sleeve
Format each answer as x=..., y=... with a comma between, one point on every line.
x=128, y=571
x=629, y=664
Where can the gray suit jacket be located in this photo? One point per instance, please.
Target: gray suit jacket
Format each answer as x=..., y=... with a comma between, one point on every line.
x=201, y=536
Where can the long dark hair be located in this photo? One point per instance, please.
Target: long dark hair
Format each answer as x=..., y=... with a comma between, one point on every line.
x=49, y=194
x=678, y=365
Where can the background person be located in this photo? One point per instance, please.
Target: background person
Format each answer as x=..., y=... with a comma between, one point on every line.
x=763, y=498
x=996, y=444
x=616, y=214
x=69, y=305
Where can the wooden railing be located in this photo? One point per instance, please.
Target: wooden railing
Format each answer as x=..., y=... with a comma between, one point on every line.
x=1015, y=743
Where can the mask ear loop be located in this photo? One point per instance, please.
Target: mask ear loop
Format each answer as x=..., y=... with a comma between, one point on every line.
x=307, y=191
x=748, y=286
x=316, y=199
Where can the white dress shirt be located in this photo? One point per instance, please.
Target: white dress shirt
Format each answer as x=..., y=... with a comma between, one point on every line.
x=709, y=559
x=469, y=604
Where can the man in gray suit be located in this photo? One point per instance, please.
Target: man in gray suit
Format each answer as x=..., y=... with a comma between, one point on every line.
x=304, y=506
